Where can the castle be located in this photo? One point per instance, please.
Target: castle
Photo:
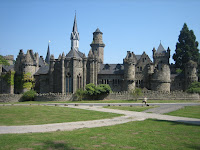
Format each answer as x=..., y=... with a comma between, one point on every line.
x=74, y=70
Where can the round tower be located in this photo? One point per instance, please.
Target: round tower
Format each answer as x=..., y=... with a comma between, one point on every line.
x=190, y=73
x=160, y=80
x=129, y=71
x=98, y=45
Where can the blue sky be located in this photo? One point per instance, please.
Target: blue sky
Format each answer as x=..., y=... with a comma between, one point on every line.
x=127, y=25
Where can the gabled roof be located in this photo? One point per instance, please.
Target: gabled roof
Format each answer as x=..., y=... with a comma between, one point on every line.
x=138, y=57
x=160, y=49
x=111, y=69
x=41, y=62
x=43, y=70
x=7, y=68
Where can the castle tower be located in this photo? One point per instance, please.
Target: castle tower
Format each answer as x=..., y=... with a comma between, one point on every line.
x=92, y=66
x=75, y=36
x=190, y=73
x=129, y=71
x=47, y=59
x=161, y=56
x=98, y=45
x=160, y=80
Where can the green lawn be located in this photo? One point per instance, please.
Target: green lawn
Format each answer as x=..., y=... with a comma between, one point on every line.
x=188, y=111
x=108, y=101
x=31, y=115
x=133, y=108
x=143, y=135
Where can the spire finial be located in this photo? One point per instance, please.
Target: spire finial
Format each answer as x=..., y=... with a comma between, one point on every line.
x=160, y=41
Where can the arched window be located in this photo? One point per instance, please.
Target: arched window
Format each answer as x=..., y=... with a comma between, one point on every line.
x=68, y=83
x=79, y=82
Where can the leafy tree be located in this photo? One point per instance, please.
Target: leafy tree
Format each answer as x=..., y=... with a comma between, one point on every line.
x=186, y=48
x=137, y=92
x=90, y=89
x=194, y=88
x=3, y=61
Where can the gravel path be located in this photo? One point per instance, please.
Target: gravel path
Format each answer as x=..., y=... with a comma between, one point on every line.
x=128, y=117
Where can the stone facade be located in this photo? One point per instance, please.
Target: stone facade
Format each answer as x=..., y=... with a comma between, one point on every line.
x=74, y=70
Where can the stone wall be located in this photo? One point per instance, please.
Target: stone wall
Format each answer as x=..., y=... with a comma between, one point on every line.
x=10, y=97
x=156, y=95
x=151, y=95
x=54, y=97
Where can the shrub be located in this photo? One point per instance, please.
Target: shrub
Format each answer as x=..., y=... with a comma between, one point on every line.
x=29, y=95
x=95, y=91
x=90, y=89
x=194, y=88
x=80, y=94
x=137, y=92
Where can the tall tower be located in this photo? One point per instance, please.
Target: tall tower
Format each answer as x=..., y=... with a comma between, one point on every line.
x=129, y=71
x=98, y=45
x=75, y=36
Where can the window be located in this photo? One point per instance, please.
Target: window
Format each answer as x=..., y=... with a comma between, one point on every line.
x=79, y=81
x=68, y=83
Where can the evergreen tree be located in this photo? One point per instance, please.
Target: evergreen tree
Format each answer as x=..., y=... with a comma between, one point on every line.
x=186, y=48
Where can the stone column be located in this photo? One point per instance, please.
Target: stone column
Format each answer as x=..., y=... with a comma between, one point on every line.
x=84, y=72
x=63, y=74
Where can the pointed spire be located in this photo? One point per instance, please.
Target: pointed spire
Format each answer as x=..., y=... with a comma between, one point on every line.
x=47, y=59
x=75, y=29
x=74, y=36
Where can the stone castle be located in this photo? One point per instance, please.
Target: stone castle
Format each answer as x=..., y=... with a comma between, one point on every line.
x=74, y=70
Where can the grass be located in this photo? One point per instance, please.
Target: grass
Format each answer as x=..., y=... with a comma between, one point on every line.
x=108, y=101
x=148, y=134
x=134, y=108
x=187, y=111
x=32, y=115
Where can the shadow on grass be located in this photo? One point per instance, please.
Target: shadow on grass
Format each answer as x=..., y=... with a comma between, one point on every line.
x=178, y=122
x=60, y=145
x=196, y=147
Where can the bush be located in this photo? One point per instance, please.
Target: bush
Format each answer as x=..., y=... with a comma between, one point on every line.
x=194, y=88
x=95, y=91
x=80, y=94
x=29, y=95
x=137, y=92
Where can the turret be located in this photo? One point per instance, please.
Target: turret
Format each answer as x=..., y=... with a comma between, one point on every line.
x=97, y=44
x=129, y=70
x=190, y=73
x=160, y=80
x=161, y=56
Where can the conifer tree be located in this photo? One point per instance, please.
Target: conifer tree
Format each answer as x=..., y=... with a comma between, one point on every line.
x=186, y=48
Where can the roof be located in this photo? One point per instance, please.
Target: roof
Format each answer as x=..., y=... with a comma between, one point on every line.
x=41, y=62
x=7, y=68
x=97, y=30
x=47, y=59
x=43, y=70
x=74, y=53
x=138, y=56
x=75, y=29
x=111, y=69
x=160, y=49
